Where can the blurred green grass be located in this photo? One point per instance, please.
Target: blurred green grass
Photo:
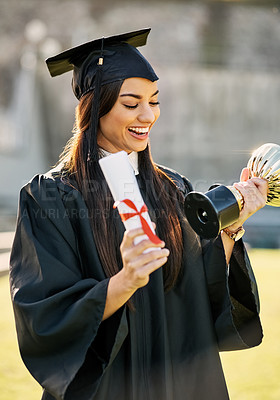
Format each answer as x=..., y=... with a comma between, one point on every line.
x=252, y=374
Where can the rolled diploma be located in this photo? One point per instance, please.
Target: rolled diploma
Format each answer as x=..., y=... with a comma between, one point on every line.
x=122, y=182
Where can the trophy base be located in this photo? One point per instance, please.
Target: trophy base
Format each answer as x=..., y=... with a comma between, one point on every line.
x=212, y=211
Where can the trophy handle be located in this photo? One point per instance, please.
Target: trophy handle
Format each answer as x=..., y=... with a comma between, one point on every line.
x=265, y=163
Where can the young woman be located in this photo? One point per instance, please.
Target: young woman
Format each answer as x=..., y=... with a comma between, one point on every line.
x=97, y=317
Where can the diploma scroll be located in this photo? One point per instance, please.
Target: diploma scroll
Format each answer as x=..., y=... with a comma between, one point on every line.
x=123, y=185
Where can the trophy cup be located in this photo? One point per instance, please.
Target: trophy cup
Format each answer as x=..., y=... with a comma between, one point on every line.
x=218, y=208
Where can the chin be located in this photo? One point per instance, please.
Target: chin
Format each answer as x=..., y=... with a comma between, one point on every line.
x=140, y=147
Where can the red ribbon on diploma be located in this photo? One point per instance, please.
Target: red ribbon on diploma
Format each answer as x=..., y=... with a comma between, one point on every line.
x=146, y=228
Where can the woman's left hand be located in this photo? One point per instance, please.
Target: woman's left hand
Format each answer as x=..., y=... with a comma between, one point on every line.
x=254, y=192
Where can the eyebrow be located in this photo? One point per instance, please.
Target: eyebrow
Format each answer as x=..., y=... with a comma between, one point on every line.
x=137, y=96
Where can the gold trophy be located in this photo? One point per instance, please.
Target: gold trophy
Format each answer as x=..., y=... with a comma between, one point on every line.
x=208, y=213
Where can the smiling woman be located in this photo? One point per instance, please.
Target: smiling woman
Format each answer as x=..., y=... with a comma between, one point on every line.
x=97, y=316
x=127, y=126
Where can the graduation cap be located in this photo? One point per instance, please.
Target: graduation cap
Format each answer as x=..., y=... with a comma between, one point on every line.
x=102, y=61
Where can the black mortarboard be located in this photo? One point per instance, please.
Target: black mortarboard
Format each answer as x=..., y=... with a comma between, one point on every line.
x=121, y=60
x=103, y=61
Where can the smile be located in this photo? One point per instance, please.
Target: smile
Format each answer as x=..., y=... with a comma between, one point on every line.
x=139, y=131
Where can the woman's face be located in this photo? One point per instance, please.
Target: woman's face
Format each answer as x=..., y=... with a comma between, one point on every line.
x=127, y=125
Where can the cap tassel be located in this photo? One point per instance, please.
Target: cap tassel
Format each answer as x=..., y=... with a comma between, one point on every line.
x=93, y=148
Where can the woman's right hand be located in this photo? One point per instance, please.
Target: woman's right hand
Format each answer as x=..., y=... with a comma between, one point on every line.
x=137, y=264
x=137, y=267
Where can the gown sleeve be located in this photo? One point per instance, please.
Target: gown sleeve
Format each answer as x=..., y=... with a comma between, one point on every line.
x=233, y=296
x=233, y=292
x=58, y=312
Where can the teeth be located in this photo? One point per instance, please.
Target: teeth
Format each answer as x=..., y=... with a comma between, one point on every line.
x=139, y=130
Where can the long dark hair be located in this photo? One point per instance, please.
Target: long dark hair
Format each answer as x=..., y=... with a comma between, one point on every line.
x=161, y=191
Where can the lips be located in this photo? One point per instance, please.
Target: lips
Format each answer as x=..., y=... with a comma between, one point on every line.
x=139, y=133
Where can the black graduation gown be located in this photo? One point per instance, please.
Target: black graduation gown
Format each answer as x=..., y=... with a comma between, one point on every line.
x=165, y=350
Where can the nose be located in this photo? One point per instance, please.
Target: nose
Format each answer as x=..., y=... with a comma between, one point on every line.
x=147, y=115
